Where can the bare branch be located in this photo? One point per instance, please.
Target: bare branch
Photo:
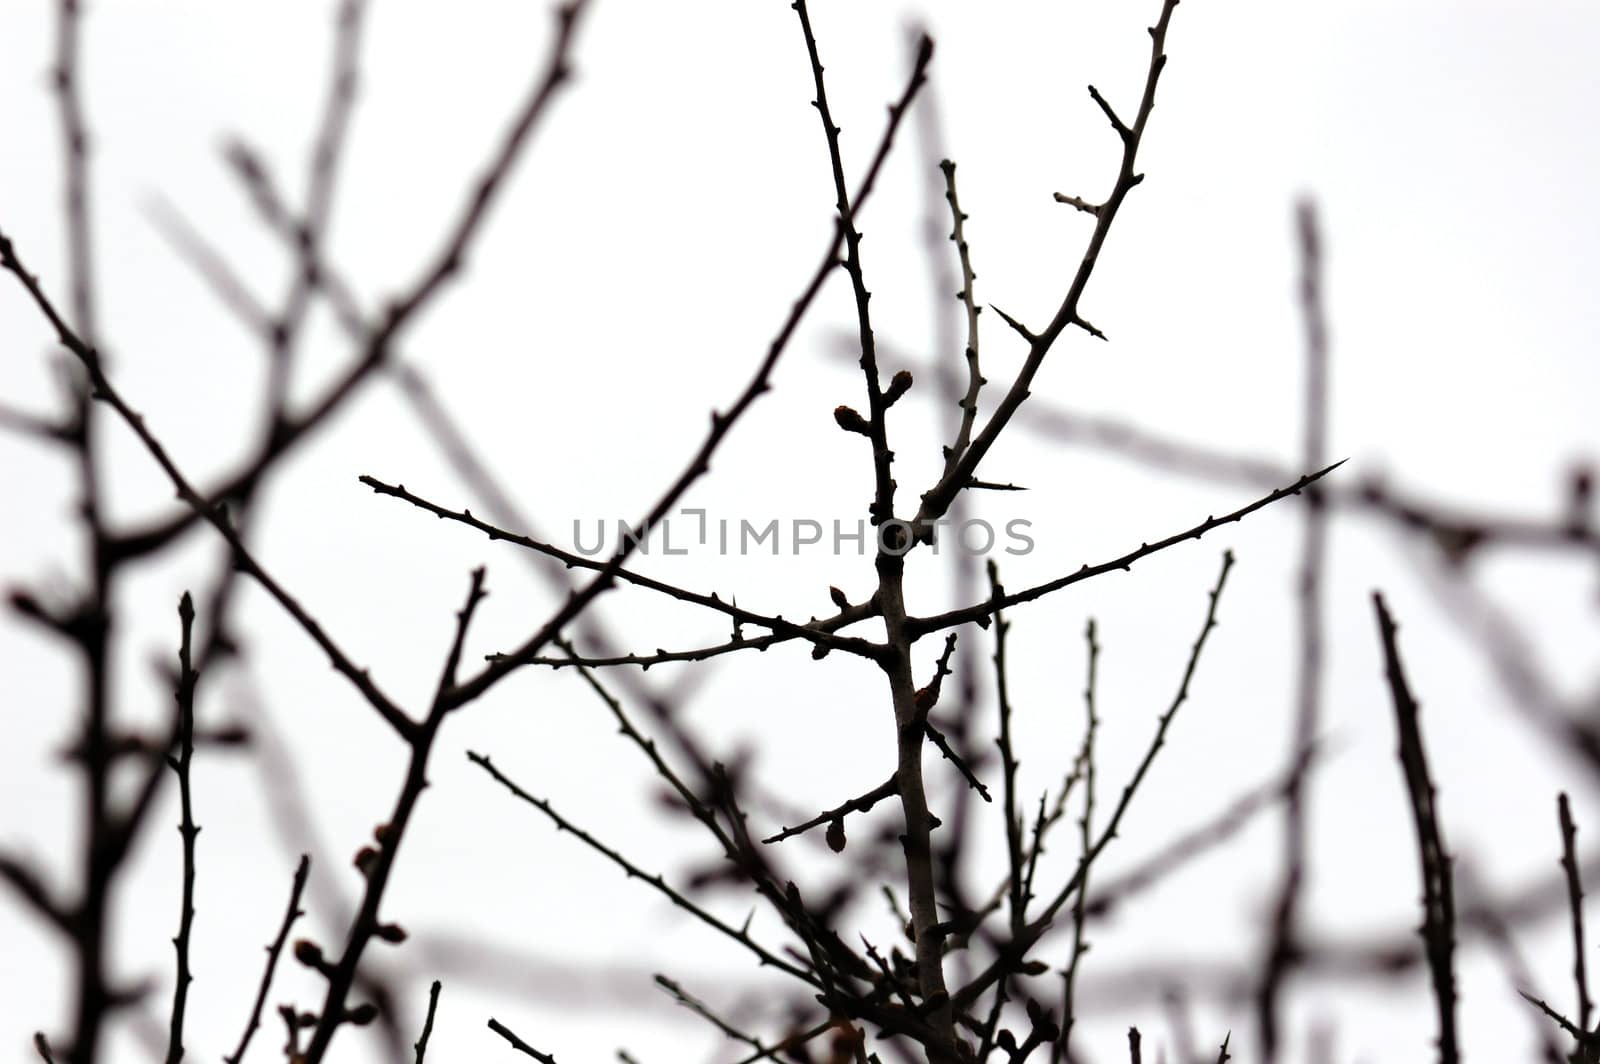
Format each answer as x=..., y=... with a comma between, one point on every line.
x=1569, y=868
x=1011, y=953
x=919, y=626
x=1085, y=840
x=721, y=423
x=635, y=872
x=26, y=882
x=812, y=632
x=186, y=826
x=701, y=1009
x=427, y=1024
x=274, y=951
x=1438, y=890
x=975, y=382
x=937, y=499
x=518, y=1044
x=1281, y=949
x=835, y=817
x=883, y=491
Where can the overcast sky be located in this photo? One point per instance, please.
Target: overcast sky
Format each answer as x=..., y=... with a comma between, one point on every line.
x=666, y=216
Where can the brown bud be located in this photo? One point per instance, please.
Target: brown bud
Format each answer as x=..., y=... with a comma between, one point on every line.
x=391, y=933
x=835, y=834
x=819, y=651
x=366, y=857
x=851, y=421
x=839, y=598
x=308, y=953
x=899, y=385
x=362, y=1015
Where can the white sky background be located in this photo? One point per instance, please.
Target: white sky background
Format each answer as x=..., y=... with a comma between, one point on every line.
x=667, y=214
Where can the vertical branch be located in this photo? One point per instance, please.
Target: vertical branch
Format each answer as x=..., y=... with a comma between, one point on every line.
x=975, y=382
x=1086, y=840
x=939, y=227
x=1017, y=901
x=1008, y=764
x=936, y=500
x=94, y=998
x=883, y=486
x=377, y=865
x=310, y=231
x=186, y=826
x=427, y=1024
x=1569, y=865
x=1438, y=891
x=68, y=85
x=1282, y=951
x=927, y=931
x=944, y=223
x=1012, y=953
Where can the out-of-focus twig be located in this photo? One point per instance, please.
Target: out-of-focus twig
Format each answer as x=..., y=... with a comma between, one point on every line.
x=1438, y=888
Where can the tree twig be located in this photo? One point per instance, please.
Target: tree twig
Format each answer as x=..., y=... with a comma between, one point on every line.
x=1438, y=890
x=518, y=1044
x=1281, y=948
x=274, y=951
x=186, y=826
x=427, y=1024
x=1012, y=952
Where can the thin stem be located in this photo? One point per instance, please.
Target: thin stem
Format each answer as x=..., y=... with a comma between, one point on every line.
x=975, y=380
x=1069, y=1008
x=1012, y=953
x=274, y=951
x=938, y=498
x=518, y=1044
x=1008, y=764
x=817, y=632
x=980, y=612
x=633, y=871
x=1569, y=867
x=882, y=508
x=1281, y=951
x=427, y=1024
x=186, y=827
x=721, y=424
x=1438, y=890
x=376, y=866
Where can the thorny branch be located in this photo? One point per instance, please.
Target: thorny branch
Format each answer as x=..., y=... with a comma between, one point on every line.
x=907, y=999
x=1438, y=888
x=1013, y=951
